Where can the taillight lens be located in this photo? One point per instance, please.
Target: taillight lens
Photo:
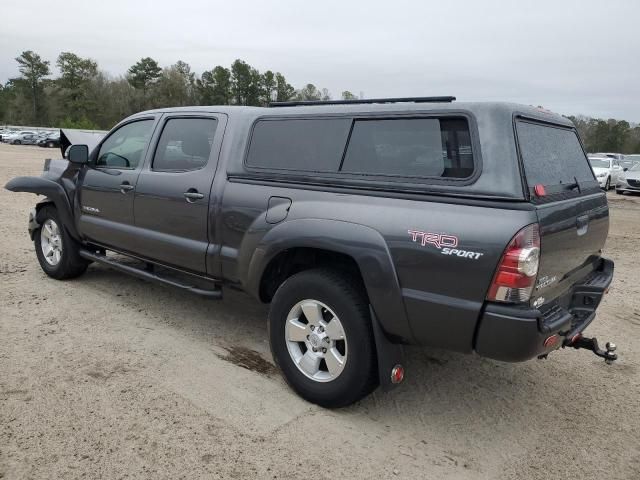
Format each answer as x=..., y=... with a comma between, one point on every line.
x=516, y=274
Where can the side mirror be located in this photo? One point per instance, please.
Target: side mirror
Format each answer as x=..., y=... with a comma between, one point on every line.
x=78, y=154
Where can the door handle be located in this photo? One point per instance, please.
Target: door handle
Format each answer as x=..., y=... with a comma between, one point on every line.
x=126, y=187
x=192, y=195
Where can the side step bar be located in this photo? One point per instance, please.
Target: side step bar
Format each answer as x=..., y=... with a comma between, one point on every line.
x=215, y=294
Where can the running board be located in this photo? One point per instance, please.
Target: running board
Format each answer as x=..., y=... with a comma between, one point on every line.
x=215, y=294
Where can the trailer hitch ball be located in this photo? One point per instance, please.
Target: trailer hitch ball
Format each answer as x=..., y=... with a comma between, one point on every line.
x=609, y=355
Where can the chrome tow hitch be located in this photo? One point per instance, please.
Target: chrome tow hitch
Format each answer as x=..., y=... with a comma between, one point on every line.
x=587, y=343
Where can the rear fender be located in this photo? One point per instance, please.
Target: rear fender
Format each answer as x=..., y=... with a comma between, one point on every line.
x=55, y=194
x=365, y=245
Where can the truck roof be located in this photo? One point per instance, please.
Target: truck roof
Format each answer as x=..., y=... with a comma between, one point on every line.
x=476, y=108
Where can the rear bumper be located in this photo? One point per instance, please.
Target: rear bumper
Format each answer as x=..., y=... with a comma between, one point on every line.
x=627, y=188
x=515, y=334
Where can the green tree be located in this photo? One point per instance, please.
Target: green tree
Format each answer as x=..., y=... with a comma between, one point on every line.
x=284, y=91
x=176, y=86
x=309, y=93
x=214, y=87
x=245, y=83
x=142, y=75
x=33, y=70
x=75, y=75
x=269, y=86
x=347, y=95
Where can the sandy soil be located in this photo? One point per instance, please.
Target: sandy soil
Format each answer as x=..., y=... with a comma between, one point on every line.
x=108, y=376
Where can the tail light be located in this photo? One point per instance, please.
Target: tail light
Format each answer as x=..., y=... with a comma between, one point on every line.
x=516, y=274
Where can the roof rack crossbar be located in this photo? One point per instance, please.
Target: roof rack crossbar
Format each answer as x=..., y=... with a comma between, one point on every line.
x=296, y=103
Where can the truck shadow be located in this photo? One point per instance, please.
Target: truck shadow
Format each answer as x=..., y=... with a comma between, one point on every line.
x=441, y=387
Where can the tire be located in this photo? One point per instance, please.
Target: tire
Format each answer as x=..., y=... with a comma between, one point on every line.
x=50, y=145
x=607, y=185
x=331, y=295
x=619, y=192
x=17, y=142
x=62, y=260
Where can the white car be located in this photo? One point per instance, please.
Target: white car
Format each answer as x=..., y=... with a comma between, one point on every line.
x=607, y=170
x=16, y=137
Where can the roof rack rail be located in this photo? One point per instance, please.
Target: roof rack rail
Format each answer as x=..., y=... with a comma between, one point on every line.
x=296, y=103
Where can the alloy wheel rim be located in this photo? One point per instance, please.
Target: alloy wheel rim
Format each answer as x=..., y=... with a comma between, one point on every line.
x=51, y=242
x=316, y=340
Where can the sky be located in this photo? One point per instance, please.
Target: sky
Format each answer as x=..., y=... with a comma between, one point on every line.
x=572, y=57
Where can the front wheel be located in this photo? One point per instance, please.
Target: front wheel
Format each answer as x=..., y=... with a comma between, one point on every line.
x=619, y=192
x=321, y=337
x=17, y=142
x=56, y=250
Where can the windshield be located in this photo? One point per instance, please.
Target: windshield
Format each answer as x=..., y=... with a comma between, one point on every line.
x=599, y=163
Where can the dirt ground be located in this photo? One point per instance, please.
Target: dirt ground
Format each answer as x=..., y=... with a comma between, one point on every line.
x=107, y=376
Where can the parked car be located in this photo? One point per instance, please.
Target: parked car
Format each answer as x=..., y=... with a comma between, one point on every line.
x=25, y=139
x=629, y=161
x=617, y=156
x=606, y=169
x=364, y=224
x=16, y=137
x=50, y=142
x=5, y=132
x=629, y=180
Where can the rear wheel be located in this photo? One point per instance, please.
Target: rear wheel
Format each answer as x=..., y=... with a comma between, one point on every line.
x=56, y=250
x=321, y=337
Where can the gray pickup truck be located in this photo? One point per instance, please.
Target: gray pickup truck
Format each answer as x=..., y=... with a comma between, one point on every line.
x=473, y=227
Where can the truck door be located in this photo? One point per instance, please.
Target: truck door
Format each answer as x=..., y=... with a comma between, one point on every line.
x=108, y=183
x=172, y=195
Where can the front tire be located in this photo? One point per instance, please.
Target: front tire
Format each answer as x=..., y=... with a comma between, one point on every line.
x=321, y=337
x=619, y=192
x=56, y=250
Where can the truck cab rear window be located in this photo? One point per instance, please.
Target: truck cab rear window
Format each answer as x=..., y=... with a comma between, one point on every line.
x=552, y=155
x=410, y=147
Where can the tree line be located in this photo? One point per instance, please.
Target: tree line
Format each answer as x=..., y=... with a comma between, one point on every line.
x=611, y=135
x=83, y=96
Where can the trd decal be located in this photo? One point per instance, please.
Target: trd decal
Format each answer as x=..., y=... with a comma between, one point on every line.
x=438, y=240
x=445, y=243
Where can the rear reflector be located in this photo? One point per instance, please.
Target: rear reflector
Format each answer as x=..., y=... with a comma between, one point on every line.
x=539, y=190
x=397, y=374
x=516, y=274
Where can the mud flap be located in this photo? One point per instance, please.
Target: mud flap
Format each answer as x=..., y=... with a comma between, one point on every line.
x=390, y=356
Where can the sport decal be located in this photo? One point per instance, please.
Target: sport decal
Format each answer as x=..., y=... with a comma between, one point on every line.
x=445, y=243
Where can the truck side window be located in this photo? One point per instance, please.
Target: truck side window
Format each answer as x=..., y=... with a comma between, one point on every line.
x=124, y=147
x=185, y=144
x=410, y=147
x=307, y=145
